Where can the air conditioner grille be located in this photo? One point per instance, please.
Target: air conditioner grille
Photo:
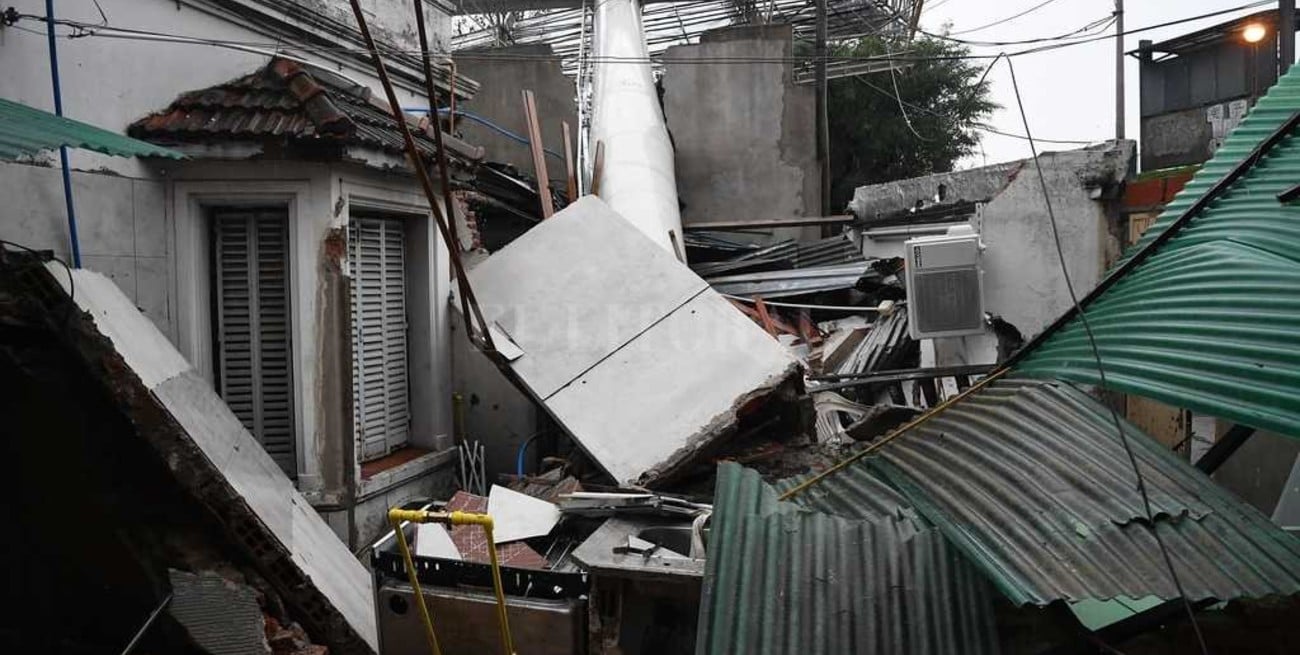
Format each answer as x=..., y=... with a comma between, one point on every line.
x=947, y=300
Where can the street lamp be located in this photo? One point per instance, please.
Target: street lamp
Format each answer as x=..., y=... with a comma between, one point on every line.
x=1254, y=33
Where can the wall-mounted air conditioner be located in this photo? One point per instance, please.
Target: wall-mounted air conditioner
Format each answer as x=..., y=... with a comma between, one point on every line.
x=945, y=286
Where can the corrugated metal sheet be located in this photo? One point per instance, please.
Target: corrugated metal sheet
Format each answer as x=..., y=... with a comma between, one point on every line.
x=1208, y=322
x=26, y=131
x=290, y=102
x=884, y=347
x=830, y=251
x=1029, y=479
x=781, y=284
x=781, y=579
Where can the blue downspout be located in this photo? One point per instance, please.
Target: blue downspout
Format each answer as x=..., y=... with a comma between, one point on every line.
x=63, y=150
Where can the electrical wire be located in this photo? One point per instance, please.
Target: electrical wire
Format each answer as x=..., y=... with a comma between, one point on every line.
x=1008, y=19
x=1101, y=370
x=91, y=30
x=982, y=127
x=893, y=78
x=72, y=282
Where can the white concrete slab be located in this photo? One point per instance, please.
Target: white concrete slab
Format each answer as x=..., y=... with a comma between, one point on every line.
x=433, y=540
x=572, y=290
x=655, y=401
x=284, y=519
x=518, y=516
x=626, y=347
x=136, y=338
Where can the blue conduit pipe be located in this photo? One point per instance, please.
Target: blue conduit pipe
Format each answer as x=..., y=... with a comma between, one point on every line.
x=63, y=150
x=461, y=113
x=523, y=450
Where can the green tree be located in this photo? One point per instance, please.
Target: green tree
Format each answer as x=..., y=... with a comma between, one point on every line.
x=873, y=139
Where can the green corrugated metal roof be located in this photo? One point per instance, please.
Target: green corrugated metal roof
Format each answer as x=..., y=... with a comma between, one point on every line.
x=1210, y=320
x=26, y=131
x=789, y=578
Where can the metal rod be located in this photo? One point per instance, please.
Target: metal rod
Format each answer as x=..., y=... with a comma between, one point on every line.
x=413, y=153
x=139, y=634
x=823, y=114
x=907, y=374
x=1285, y=36
x=74, y=242
x=1119, y=69
x=443, y=178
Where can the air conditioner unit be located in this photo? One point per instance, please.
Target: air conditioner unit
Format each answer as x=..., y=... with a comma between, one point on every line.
x=945, y=286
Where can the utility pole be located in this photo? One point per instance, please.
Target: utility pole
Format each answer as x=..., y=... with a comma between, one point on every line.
x=1285, y=35
x=823, y=127
x=1119, y=69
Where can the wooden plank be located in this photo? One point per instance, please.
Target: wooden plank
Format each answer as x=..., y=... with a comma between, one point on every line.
x=763, y=316
x=597, y=167
x=758, y=224
x=1165, y=423
x=539, y=154
x=572, y=175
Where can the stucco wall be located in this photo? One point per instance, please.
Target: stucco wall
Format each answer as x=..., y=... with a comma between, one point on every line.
x=500, y=100
x=1022, y=274
x=744, y=134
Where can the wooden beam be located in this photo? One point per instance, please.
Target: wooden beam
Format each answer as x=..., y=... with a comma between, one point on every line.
x=763, y=223
x=568, y=164
x=539, y=154
x=597, y=166
x=763, y=316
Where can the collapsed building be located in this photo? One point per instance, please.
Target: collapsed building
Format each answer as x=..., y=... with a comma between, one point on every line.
x=673, y=431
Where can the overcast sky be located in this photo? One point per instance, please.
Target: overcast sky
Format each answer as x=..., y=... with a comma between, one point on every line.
x=1068, y=93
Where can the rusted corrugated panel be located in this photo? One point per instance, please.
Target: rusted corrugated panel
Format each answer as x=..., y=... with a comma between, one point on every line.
x=782, y=579
x=1208, y=321
x=1030, y=480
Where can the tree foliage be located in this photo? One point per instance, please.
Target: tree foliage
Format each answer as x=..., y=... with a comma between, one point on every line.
x=872, y=139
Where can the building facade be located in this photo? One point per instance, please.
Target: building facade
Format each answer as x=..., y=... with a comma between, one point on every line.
x=292, y=257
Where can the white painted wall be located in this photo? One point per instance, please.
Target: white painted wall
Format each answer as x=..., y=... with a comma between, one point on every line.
x=1022, y=274
x=111, y=82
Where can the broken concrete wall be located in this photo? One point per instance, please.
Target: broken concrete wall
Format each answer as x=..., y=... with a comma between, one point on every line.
x=205, y=450
x=504, y=73
x=1022, y=273
x=744, y=134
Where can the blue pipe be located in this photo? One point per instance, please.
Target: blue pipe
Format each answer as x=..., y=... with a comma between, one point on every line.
x=63, y=150
x=523, y=450
x=461, y=113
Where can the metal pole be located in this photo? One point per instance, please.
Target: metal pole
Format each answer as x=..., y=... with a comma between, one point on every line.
x=75, y=244
x=1119, y=69
x=1285, y=35
x=823, y=127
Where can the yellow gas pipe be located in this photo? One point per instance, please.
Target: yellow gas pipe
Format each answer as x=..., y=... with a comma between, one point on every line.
x=397, y=516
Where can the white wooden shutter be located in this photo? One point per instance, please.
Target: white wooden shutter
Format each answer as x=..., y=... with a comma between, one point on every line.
x=254, y=357
x=381, y=400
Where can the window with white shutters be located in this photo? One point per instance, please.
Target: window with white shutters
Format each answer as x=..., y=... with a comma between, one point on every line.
x=252, y=328
x=381, y=399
